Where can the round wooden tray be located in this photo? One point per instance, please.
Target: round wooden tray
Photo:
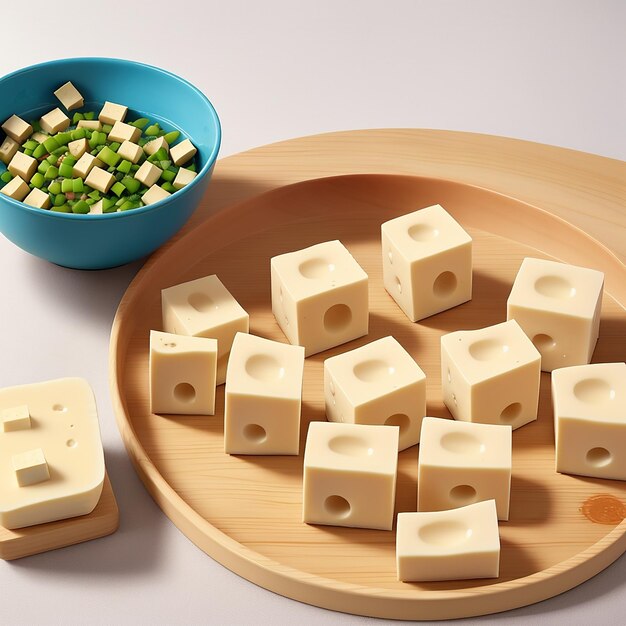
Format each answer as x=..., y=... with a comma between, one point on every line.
x=246, y=511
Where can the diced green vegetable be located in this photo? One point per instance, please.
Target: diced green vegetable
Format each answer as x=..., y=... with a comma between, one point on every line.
x=106, y=155
x=59, y=199
x=115, y=146
x=168, y=175
x=51, y=144
x=90, y=115
x=77, y=117
x=28, y=152
x=51, y=173
x=80, y=207
x=66, y=185
x=152, y=131
x=63, y=138
x=60, y=150
x=129, y=204
x=77, y=185
x=6, y=177
x=124, y=166
x=66, y=169
x=31, y=144
x=79, y=133
x=37, y=180
x=192, y=167
x=54, y=187
x=168, y=187
x=107, y=128
x=142, y=122
x=52, y=159
x=40, y=151
x=43, y=167
x=118, y=189
x=62, y=209
x=95, y=194
x=172, y=136
x=108, y=205
x=132, y=184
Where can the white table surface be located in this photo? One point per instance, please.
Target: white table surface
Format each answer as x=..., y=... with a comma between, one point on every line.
x=547, y=71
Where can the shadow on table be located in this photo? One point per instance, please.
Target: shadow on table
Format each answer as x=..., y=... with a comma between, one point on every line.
x=132, y=549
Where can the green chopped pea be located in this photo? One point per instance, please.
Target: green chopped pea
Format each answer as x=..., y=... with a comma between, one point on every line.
x=168, y=187
x=172, y=136
x=60, y=150
x=132, y=184
x=107, y=128
x=63, y=138
x=95, y=194
x=80, y=207
x=115, y=146
x=52, y=159
x=152, y=130
x=59, y=199
x=129, y=204
x=119, y=202
x=66, y=185
x=43, y=167
x=70, y=160
x=108, y=205
x=79, y=133
x=77, y=185
x=54, y=187
x=140, y=123
x=7, y=177
x=51, y=173
x=31, y=144
x=37, y=180
x=65, y=208
x=124, y=166
x=77, y=117
x=28, y=152
x=90, y=115
x=134, y=167
x=91, y=201
x=39, y=151
x=118, y=189
x=66, y=169
x=51, y=144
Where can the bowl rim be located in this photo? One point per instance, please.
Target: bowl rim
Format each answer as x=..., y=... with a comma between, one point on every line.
x=210, y=162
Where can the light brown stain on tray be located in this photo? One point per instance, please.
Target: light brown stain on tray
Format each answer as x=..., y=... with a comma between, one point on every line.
x=604, y=509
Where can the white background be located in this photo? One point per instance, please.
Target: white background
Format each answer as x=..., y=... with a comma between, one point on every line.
x=547, y=71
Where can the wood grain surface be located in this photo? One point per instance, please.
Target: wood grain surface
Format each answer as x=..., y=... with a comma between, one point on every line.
x=246, y=511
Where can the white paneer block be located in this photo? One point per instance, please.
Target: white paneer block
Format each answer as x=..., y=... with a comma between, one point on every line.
x=23, y=166
x=30, y=467
x=38, y=198
x=15, y=418
x=130, y=151
x=148, y=173
x=16, y=128
x=491, y=375
x=182, y=374
x=182, y=152
x=459, y=544
x=320, y=296
x=100, y=179
x=124, y=132
x=69, y=96
x=65, y=437
x=96, y=208
x=461, y=463
x=558, y=306
x=378, y=383
x=350, y=475
x=54, y=122
x=156, y=144
x=427, y=262
x=112, y=113
x=85, y=164
x=39, y=137
x=590, y=420
x=263, y=397
x=17, y=189
x=8, y=148
x=78, y=147
x=183, y=178
x=90, y=124
x=154, y=194
x=205, y=308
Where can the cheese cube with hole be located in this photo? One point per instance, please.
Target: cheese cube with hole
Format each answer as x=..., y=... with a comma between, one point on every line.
x=69, y=96
x=182, y=374
x=54, y=122
x=590, y=420
x=130, y=151
x=558, y=306
x=78, y=147
x=182, y=152
x=111, y=113
x=350, y=475
x=205, y=308
x=85, y=164
x=461, y=463
x=100, y=179
x=183, y=178
x=124, y=132
x=156, y=144
x=17, y=129
x=427, y=262
x=89, y=124
x=38, y=198
x=459, y=544
x=23, y=166
x=263, y=397
x=8, y=149
x=54, y=469
x=491, y=375
x=378, y=383
x=15, y=418
x=17, y=188
x=154, y=194
x=148, y=174
x=320, y=296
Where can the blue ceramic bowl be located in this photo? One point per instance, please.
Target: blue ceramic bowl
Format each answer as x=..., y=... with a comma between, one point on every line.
x=101, y=241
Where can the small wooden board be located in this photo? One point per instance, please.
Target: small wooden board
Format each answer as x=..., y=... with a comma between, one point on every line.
x=102, y=521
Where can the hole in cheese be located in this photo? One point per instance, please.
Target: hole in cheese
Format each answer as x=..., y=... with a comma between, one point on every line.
x=337, y=318
x=337, y=506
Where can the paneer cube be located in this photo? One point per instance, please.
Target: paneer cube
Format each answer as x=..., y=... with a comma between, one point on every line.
x=23, y=165
x=16, y=128
x=38, y=198
x=17, y=189
x=154, y=194
x=69, y=96
x=55, y=121
x=112, y=113
x=100, y=179
x=184, y=177
x=130, y=151
x=148, y=174
x=182, y=152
